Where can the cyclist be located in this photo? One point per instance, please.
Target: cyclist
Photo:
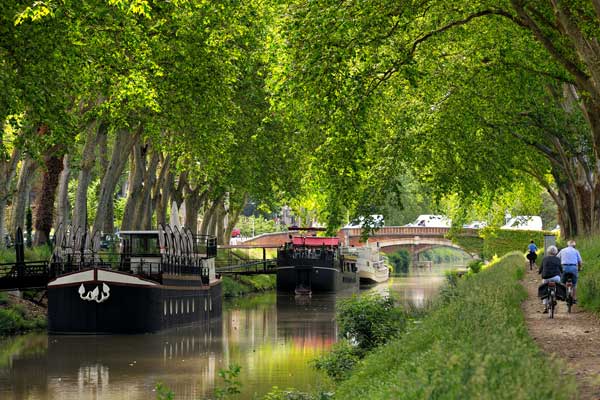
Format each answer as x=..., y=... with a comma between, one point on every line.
x=551, y=270
x=532, y=255
x=571, y=262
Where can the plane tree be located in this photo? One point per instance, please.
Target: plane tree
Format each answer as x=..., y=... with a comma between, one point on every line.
x=472, y=95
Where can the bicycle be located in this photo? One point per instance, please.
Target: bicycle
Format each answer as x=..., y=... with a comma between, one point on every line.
x=531, y=256
x=569, y=298
x=551, y=298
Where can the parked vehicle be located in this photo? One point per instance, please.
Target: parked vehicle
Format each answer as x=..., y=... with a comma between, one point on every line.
x=236, y=232
x=475, y=225
x=375, y=220
x=433, y=221
x=524, y=222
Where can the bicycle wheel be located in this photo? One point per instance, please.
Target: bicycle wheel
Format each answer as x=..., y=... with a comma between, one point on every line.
x=552, y=300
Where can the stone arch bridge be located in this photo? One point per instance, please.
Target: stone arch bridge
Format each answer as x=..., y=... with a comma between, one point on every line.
x=390, y=238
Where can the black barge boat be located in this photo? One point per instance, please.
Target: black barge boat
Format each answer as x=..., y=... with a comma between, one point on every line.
x=313, y=264
x=161, y=279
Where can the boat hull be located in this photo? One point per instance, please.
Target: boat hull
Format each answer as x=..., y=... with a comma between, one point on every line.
x=316, y=279
x=96, y=301
x=373, y=277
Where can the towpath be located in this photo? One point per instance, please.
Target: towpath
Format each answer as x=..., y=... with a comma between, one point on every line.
x=574, y=338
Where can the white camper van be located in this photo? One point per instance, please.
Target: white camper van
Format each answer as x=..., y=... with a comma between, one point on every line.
x=433, y=221
x=524, y=222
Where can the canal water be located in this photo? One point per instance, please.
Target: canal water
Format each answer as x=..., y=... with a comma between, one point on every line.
x=272, y=337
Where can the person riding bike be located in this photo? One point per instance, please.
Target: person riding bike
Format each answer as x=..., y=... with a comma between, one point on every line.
x=571, y=262
x=551, y=270
x=532, y=255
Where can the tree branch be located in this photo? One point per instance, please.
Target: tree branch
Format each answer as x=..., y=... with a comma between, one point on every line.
x=581, y=77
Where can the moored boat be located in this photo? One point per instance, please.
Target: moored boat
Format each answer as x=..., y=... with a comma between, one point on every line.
x=161, y=279
x=370, y=264
x=314, y=265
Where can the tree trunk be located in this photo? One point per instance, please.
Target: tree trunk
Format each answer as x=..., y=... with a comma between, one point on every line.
x=63, y=208
x=193, y=203
x=123, y=144
x=210, y=217
x=234, y=215
x=88, y=158
x=44, y=211
x=162, y=192
x=220, y=227
x=21, y=197
x=108, y=226
x=8, y=170
x=145, y=209
x=136, y=179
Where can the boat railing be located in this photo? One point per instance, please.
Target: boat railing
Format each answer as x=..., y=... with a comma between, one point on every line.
x=153, y=270
x=206, y=245
x=302, y=259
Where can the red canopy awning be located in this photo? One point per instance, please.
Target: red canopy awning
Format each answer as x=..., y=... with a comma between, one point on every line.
x=314, y=241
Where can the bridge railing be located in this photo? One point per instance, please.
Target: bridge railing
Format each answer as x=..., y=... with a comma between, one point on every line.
x=410, y=231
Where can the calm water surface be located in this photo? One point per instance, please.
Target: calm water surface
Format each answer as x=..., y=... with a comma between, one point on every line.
x=273, y=338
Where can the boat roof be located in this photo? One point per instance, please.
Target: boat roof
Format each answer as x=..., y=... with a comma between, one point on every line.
x=315, y=241
x=138, y=233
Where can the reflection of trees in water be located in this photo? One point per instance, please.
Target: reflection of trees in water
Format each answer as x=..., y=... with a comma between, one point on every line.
x=414, y=290
x=82, y=367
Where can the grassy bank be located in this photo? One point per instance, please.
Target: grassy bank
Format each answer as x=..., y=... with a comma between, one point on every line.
x=588, y=291
x=241, y=285
x=18, y=316
x=473, y=344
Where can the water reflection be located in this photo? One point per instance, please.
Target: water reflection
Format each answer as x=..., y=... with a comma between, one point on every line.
x=273, y=338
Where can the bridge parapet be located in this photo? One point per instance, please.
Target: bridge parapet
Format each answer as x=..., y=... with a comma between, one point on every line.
x=408, y=231
x=353, y=235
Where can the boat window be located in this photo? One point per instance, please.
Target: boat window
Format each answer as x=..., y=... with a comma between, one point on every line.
x=182, y=310
x=165, y=307
x=176, y=306
x=171, y=306
x=205, y=304
x=193, y=304
x=210, y=303
x=142, y=245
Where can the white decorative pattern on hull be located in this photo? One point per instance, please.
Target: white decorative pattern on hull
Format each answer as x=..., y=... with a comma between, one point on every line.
x=95, y=295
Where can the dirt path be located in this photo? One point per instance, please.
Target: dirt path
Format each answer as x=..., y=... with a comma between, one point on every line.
x=574, y=338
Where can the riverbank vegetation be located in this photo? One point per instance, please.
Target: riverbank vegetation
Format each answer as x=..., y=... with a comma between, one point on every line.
x=472, y=344
x=235, y=286
x=588, y=291
x=18, y=316
x=364, y=323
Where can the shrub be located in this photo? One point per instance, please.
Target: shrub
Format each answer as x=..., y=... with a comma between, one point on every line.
x=588, y=291
x=502, y=241
x=339, y=362
x=369, y=321
x=11, y=321
x=291, y=394
x=475, y=266
x=3, y=299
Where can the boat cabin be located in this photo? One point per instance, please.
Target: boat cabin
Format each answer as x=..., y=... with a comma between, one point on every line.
x=140, y=250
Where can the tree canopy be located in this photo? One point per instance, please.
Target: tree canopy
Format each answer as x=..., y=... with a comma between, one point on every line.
x=331, y=104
